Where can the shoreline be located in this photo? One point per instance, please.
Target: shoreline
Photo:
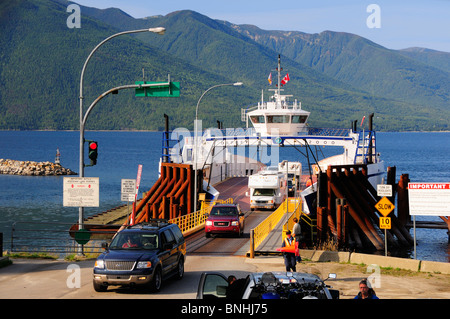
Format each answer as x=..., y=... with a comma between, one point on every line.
x=32, y=168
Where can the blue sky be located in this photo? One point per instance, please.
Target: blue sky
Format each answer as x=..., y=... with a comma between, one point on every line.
x=403, y=24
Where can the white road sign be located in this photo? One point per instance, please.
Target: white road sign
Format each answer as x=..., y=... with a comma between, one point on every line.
x=81, y=192
x=384, y=190
x=432, y=199
x=128, y=190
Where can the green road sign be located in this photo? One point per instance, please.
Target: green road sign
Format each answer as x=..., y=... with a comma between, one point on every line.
x=82, y=236
x=158, y=89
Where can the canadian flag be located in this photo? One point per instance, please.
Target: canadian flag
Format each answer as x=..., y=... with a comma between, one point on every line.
x=285, y=79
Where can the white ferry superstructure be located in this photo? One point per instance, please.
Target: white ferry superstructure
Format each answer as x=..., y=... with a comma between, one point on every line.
x=279, y=122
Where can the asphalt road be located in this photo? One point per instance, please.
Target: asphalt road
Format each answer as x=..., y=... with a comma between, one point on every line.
x=50, y=279
x=36, y=278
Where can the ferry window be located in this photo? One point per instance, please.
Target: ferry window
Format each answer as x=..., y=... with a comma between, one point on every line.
x=278, y=119
x=257, y=119
x=299, y=119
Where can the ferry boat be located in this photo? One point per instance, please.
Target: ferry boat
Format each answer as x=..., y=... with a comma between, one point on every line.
x=277, y=122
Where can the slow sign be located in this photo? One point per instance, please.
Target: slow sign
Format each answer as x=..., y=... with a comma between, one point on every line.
x=384, y=206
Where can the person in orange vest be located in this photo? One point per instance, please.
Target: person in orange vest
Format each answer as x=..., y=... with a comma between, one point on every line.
x=289, y=258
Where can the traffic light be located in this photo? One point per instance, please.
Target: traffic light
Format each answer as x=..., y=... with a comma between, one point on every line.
x=93, y=148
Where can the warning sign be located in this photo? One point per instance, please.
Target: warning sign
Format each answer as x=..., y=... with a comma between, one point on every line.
x=432, y=199
x=385, y=222
x=81, y=192
x=384, y=206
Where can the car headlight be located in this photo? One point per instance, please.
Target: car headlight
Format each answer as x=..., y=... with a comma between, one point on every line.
x=209, y=223
x=99, y=263
x=144, y=264
x=235, y=223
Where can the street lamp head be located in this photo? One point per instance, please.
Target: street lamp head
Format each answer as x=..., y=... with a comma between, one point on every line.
x=158, y=30
x=238, y=84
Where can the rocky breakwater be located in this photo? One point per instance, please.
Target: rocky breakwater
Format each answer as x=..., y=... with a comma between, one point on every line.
x=30, y=168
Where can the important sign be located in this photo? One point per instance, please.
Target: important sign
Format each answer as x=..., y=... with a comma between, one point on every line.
x=384, y=206
x=432, y=199
x=81, y=192
x=385, y=222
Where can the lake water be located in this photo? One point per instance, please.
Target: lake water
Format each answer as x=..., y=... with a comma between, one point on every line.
x=424, y=156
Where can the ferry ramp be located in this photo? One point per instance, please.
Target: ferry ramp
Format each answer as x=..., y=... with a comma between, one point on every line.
x=235, y=188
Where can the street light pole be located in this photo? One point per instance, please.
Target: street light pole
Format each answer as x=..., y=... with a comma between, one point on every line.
x=195, y=137
x=158, y=30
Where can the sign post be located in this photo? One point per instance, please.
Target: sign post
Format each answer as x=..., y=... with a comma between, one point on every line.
x=385, y=207
x=138, y=181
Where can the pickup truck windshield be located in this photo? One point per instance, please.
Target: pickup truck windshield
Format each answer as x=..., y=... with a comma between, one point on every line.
x=130, y=240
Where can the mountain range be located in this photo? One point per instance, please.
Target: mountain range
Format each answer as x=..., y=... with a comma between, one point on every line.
x=339, y=77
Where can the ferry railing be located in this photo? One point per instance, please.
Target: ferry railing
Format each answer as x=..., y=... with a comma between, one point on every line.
x=312, y=223
x=260, y=232
x=367, y=148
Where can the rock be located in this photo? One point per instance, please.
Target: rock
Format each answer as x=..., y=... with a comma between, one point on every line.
x=30, y=168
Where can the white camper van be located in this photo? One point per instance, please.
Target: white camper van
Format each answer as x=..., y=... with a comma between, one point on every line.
x=267, y=189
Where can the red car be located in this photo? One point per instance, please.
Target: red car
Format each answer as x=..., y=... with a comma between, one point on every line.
x=225, y=219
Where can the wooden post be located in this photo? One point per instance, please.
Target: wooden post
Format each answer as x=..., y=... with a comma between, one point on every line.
x=339, y=222
x=391, y=172
x=252, y=243
x=154, y=210
x=403, y=200
x=344, y=224
x=321, y=228
x=362, y=222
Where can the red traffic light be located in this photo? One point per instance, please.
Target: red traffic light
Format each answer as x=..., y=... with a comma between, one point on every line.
x=93, y=145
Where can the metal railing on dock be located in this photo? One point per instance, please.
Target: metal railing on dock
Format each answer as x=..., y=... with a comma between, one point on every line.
x=54, y=238
x=61, y=238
